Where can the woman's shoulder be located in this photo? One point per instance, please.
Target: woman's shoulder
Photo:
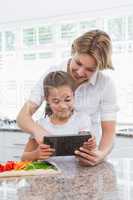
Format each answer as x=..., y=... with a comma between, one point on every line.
x=101, y=79
x=104, y=79
x=106, y=76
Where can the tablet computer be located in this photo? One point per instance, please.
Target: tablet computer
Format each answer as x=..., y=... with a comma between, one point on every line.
x=66, y=145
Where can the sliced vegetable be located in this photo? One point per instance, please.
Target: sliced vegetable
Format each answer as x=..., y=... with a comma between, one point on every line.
x=39, y=165
x=25, y=165
x=21, y=165
x=9, y=165
x=1, y=168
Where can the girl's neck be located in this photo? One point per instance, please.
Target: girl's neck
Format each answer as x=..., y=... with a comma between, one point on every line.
x=58, y=121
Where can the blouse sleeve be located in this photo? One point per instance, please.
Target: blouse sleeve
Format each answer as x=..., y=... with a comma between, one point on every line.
x=37, y=93
x=108, y=105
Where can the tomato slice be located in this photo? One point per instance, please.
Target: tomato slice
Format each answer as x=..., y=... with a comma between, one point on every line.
x=8, y=166
x=11, y=165
x=1, y=168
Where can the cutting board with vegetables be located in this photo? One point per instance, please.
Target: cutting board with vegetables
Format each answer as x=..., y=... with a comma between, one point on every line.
x=27, y=168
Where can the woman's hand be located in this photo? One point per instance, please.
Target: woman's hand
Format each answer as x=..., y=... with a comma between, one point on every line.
x=90, y=144
x=88, y=155
x=44, y=151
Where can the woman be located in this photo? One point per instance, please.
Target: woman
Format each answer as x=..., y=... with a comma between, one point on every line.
x=95, y=94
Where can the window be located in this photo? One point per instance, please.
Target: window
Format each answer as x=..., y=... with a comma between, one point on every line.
x=45, y=35
x=30, y=56
x=29, y=37
x=45, y=55
x=130, y=27
x=68, y=31
x=0, y=41
x=9, y=41
x=86, y=25
x=116, y=28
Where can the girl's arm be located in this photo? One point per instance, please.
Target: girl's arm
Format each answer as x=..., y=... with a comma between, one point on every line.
x=30, y=151
x=33, y=151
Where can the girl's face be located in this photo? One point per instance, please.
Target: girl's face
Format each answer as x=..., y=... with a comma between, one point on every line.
x=82, y=67
x=61, y=101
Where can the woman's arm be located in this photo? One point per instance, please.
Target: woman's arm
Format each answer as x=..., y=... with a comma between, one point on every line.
x=26, y=123
x=108, y=109
x=33, y=151
x=108, y=135
x=24, y=118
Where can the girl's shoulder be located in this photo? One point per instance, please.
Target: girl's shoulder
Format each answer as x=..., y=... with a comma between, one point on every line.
x=81, y=116
x=83, y=121
x=43, y=120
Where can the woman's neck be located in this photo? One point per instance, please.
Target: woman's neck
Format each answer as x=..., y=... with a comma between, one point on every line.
x=69, y=72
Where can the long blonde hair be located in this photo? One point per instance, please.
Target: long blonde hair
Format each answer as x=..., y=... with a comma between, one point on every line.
x=96, y=43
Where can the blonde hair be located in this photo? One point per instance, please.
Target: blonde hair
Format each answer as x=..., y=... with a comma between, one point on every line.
x=96, y=43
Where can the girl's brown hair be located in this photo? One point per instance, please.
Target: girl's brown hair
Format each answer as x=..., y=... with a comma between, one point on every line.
x=54, y=80
x=96, y=43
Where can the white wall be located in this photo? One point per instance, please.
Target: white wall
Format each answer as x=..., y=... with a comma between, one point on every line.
x=14, y=10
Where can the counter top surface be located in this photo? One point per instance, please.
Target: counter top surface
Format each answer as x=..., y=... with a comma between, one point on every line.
x=10, y=129
x=110, y=180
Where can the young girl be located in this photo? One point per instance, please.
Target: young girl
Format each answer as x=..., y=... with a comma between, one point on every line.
x=60, y=116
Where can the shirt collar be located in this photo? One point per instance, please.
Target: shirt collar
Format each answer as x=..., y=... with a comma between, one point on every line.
x=93, y=78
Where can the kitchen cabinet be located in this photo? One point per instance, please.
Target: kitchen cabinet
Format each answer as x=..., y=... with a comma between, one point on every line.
x=12, y=145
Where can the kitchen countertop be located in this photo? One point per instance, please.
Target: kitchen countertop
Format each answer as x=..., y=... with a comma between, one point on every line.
x=110, y=180
x=11, y=129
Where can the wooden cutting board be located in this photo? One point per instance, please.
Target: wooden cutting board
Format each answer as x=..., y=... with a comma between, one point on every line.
x=35, y=172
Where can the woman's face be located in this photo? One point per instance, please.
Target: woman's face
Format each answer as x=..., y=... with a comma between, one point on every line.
x=82, y=67
x=61, y=101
